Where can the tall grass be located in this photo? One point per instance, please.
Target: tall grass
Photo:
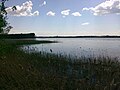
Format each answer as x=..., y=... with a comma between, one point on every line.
x=47, y=71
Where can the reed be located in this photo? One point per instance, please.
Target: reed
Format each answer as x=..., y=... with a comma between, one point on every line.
x=23, y=69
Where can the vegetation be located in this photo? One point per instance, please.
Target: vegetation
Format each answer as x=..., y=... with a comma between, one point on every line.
x=31, y=70
x=23, y=69
x=4, y=25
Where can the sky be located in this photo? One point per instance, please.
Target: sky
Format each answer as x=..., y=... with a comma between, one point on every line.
x=65, y=17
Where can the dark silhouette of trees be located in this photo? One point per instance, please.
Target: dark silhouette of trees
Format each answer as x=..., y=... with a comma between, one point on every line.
x=4, y=25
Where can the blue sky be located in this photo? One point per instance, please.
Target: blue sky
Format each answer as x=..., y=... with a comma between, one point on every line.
x=65, y=17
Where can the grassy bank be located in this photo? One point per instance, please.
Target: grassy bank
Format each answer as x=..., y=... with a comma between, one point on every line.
x=21, y=70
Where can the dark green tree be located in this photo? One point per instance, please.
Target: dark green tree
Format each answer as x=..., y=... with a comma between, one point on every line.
x=4, y=25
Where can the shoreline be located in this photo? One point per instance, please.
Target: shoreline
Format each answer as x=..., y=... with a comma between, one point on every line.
x=49, y=71
x=33, y=36
x=26, y=41
x=77, y=37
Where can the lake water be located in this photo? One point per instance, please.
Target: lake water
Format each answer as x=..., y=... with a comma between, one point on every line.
x=82, y=46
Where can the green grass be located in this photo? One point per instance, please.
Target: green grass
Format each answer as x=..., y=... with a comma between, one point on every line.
x=27, y=41
x=20, y=70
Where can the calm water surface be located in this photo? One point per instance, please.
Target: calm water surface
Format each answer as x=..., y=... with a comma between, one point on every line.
x=82, y=46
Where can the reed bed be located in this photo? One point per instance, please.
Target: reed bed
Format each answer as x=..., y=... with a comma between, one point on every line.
x=26, y=70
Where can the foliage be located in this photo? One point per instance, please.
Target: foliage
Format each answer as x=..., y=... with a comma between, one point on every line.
x=4, y=25
x=31, y=70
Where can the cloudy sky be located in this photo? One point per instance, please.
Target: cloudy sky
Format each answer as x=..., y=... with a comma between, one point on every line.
x=65, y=17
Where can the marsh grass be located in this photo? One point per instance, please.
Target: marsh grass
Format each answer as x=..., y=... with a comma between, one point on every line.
x=47, y=71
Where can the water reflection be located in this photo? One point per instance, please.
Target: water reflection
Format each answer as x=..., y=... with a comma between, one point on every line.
x=82, y=46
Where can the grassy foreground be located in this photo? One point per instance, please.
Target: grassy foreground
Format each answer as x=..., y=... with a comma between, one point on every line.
x=20, y=70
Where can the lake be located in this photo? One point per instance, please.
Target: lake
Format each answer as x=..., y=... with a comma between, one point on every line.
x=82, y=46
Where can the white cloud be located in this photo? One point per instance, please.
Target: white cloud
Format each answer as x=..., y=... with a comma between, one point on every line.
x=76, y=14
x=107, y=7
x=36, y=13
x=24, y=10
x=65, y=12
x=50, y=13
x=86, y=23
x=44, y=3
x=85, y=9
